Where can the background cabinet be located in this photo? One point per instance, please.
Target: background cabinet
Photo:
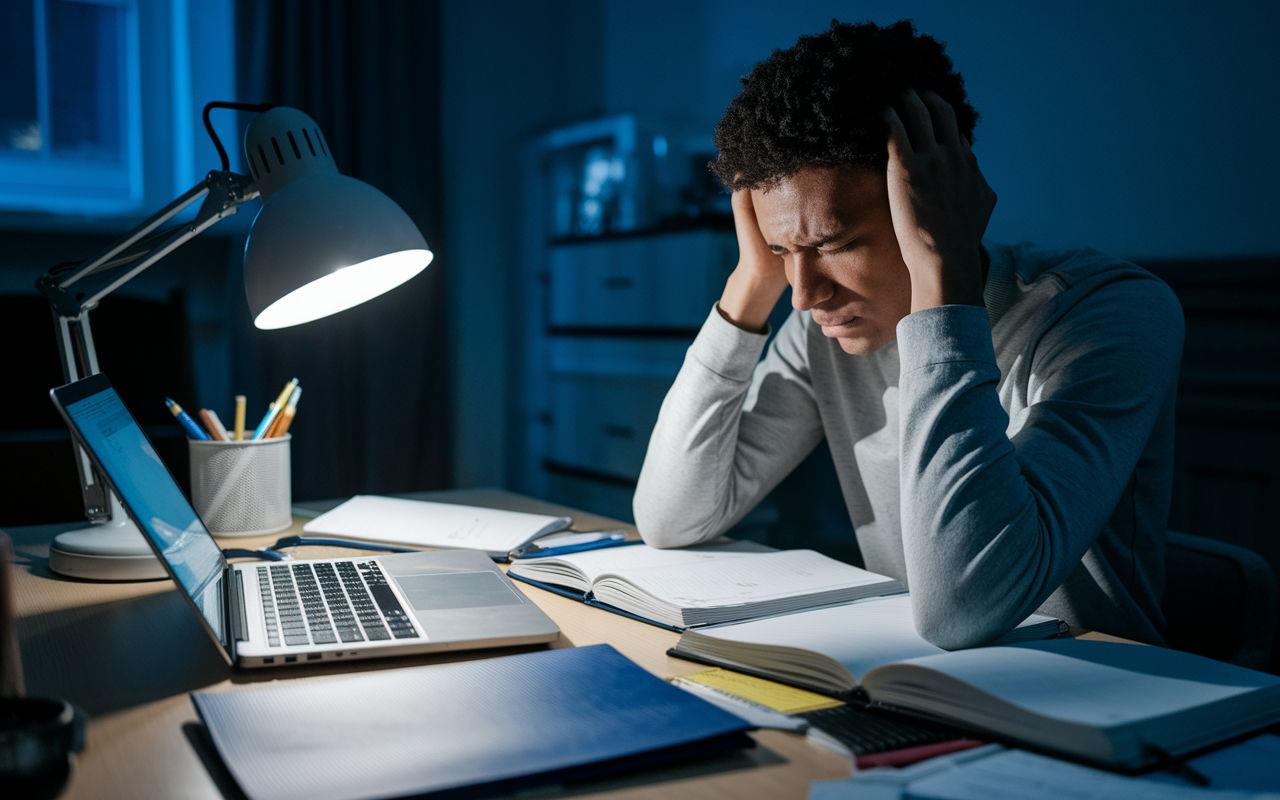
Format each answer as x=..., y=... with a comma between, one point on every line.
x=620, y=312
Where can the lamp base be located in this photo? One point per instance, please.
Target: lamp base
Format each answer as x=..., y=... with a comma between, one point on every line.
x=114, y=551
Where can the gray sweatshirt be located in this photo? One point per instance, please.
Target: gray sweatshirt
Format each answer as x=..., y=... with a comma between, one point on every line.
x=998, y=461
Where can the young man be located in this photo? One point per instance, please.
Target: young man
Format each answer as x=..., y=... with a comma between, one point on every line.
x=1001, y=418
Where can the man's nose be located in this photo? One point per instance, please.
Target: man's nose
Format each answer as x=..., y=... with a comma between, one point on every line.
x=808, y=285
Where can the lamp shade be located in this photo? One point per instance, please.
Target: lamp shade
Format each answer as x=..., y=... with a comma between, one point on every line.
x=322, y=242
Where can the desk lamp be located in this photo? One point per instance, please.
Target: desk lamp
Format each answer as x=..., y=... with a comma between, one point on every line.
x=321, y=243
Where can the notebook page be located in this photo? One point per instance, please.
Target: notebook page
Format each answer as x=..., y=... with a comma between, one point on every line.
x=787, y=573
x=426, y=524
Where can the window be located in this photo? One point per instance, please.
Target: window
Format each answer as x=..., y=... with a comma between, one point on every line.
x=100, y=102
x=69, y=111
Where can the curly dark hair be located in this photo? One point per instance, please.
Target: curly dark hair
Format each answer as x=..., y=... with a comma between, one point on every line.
x=821, y=102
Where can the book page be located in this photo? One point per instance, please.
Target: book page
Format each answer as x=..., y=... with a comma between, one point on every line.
x=417, y=522
x=591, y=564
x=1099, y=684
x=858, y=635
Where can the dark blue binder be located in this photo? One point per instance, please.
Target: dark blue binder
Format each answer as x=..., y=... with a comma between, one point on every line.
x=456, y=730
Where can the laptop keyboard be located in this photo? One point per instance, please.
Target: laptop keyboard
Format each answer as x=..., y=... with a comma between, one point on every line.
x=325, y=603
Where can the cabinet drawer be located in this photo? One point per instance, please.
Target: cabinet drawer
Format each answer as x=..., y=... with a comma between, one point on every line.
x=602, y=422
x=653, y=281
x=605, y=499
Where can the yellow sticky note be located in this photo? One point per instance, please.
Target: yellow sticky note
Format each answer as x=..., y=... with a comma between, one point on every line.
x=778, y=696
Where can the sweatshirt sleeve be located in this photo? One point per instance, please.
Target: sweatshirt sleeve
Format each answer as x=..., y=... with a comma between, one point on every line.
x=991, y=523
x=729, y=430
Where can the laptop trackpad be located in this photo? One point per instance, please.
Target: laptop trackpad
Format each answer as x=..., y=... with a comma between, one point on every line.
x=445, y=590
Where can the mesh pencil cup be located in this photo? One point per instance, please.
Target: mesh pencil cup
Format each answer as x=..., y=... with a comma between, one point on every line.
x=242, y=488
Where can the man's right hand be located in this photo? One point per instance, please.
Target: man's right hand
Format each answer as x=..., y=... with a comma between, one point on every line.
x=758, y=281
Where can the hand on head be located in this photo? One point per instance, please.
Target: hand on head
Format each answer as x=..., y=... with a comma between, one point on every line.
x=759, y=280
x=940, y=202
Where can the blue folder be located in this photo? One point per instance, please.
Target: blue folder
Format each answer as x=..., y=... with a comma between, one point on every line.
x=478, y=727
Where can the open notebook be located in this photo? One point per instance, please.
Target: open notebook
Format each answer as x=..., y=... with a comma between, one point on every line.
x=723, y=581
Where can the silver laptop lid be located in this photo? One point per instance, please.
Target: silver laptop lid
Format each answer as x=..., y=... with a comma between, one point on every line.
x=129, y=464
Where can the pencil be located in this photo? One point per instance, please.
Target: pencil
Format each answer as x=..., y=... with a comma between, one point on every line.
x=240, y=417
x=218, y=427
x=184, y=419
x=203, y=414
x=274, y=409
x=285, y=418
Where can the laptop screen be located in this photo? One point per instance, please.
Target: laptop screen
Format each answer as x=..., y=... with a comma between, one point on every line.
x=147, y=489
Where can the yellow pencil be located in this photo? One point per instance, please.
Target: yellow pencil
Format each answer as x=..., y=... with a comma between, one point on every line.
x=285, y=418
x=240, y=402
x=274, y=409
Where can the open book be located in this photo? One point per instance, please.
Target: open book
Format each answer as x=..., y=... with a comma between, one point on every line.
x=442, y=525
x=829, y=649
x=1115, y=705
x=723, y=581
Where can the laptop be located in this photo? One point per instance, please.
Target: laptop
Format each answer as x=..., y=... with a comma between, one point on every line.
x=278, y=613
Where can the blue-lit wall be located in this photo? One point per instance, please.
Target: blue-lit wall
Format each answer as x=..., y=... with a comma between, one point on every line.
x=1142, y=129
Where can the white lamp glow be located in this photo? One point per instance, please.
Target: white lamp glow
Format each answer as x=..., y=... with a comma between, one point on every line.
x=343, y=289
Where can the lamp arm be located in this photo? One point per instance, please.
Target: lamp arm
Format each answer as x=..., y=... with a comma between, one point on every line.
x=223, y=193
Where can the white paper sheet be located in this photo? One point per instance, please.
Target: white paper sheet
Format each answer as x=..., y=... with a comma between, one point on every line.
x=425, y=524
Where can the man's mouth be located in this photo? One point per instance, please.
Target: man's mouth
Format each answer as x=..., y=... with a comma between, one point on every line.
x=835, y=330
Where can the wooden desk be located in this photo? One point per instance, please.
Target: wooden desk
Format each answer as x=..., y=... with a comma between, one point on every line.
x=128, y=654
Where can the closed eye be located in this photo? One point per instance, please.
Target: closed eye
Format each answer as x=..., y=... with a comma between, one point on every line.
x=849, y=245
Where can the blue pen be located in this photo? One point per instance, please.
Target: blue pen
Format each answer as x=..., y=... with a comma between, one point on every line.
x=532, y=550
x=185, y=420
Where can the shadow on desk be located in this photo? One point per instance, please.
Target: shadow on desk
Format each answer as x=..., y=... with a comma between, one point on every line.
x=120, y=653
x=128, y=652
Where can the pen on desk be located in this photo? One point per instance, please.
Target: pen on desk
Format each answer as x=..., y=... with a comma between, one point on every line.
x=211, y=420
x=285, y=418
x=274, y=409
x=240, y=403
x=185, y=420
x=576, y=543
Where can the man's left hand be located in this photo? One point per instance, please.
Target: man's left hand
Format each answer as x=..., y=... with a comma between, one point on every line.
x=939, y=200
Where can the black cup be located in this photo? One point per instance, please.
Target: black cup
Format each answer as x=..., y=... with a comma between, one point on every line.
x=38, y=740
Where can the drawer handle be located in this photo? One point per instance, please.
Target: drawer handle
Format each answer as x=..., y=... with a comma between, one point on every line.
x=619, y=282
x=620, y=431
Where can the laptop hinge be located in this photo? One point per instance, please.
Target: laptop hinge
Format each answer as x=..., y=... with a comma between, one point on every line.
x=239, y=622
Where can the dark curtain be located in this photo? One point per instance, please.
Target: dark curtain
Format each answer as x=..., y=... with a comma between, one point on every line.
x=373, y=415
